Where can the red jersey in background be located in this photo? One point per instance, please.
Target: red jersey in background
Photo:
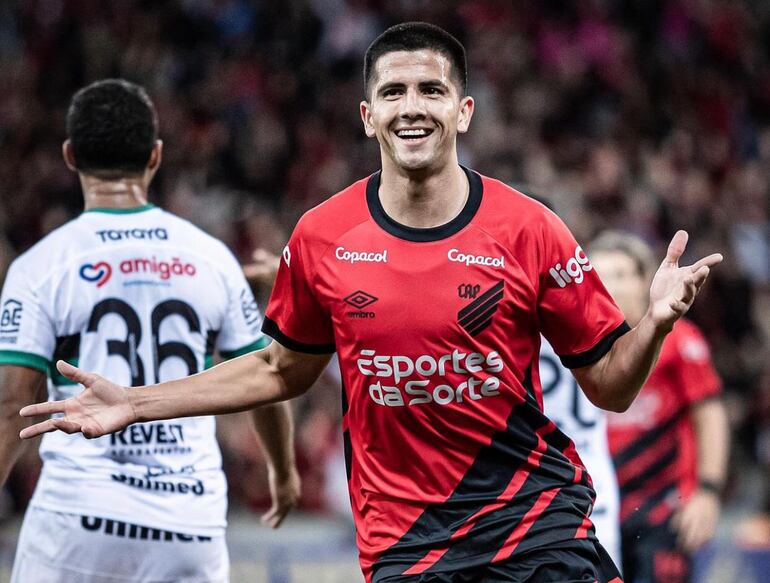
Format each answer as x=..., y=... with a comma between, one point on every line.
x=653, y=443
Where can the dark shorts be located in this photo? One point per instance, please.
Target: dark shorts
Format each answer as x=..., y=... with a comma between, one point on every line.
x=579, y=561
x=651, y=555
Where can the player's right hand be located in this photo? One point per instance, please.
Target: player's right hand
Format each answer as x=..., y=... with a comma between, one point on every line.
x=103, y=407
x=285, y=491
x=674, y=287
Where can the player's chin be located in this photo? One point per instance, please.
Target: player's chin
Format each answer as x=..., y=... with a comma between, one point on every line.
x=414, y=161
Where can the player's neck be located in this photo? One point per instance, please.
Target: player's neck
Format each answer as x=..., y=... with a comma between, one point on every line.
x=423, y=200
x=124, y=193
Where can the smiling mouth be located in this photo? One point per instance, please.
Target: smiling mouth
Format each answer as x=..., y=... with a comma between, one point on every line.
x=413, y=133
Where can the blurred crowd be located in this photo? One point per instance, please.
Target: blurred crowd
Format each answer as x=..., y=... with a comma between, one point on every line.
x=645, y=115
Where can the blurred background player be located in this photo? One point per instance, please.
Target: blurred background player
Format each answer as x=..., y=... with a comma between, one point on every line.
x=139, y=294
x=566, y=404
x=586, y=425
x=670, y=448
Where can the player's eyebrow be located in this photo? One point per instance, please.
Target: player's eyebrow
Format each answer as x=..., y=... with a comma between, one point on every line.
x=433, y=83
x=391, y=85
x=436, y=83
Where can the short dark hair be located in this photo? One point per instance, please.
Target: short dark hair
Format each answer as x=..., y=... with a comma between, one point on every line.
x=629, y=245
x=113, y=126
x=416, y=36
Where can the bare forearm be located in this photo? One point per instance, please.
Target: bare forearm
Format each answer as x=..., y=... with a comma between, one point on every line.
x=614, y=381
x=19, y=386
x=712, y=435
x=267, y=376
x=274, y=425
x=10, y=444
x=236, y=385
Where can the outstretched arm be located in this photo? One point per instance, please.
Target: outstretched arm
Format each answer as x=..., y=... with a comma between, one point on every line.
x=614, y=381
x=266, y=376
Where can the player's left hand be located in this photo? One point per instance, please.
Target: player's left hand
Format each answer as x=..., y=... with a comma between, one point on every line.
x=284, y=491
x=696, y=521
x=674, y=288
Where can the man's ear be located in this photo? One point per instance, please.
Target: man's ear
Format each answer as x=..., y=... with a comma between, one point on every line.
x=156, y=155
x=68, y=154
x=465, y=114
x=366, y=118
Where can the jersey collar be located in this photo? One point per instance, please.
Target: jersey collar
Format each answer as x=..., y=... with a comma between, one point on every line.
x=432, y=233
x=122, y=211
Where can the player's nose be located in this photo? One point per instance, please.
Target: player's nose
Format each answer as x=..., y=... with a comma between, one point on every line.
x=413, y=105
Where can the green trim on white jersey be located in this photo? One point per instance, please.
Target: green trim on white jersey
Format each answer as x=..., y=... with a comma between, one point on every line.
x=19, y=358
x=122, y=211
x=258, y=345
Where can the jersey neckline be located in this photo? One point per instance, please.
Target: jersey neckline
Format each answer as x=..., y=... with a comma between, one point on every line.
x=424, y=235
x=122, y=211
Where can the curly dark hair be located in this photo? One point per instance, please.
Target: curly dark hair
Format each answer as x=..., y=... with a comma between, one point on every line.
x=113, y=126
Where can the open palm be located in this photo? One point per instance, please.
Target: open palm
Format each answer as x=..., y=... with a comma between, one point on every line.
x=674, y=288
x=103, y=407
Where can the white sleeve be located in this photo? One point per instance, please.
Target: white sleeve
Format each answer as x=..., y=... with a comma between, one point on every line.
x=27, y=335
x=241, y=331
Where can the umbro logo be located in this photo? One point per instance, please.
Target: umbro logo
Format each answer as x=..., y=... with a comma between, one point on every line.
x=359, y=299
x=477, y=316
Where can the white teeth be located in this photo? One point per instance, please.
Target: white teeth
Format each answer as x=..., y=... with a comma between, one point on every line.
x=412, y=133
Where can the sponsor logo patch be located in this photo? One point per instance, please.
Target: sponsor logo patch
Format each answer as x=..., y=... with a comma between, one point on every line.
x=458, y=256
x=163, y=269
x=249, y=308
x=10, y=322
x=573, y=269
x=407, y=381
x=151, y=234
x=149, y=434
x=136, y=531
x=99, y=273
x=148, y=440
x=148, y=482
x=343, y=254
x=359, y=300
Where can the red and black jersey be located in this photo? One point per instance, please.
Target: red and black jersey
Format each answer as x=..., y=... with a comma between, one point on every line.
x=451, y=462
x=653, y=443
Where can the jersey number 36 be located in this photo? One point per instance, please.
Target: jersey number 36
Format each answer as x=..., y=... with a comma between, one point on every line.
x=128, y=347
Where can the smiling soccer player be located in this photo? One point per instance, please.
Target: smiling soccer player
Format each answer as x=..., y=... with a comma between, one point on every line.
x=455, y=473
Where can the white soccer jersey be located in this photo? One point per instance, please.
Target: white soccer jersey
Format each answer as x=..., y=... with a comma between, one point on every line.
x=566, y=405
x=138, y=296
